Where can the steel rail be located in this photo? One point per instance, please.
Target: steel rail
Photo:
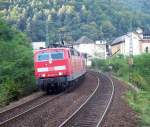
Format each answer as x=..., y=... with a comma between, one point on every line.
x=14, y=107
x=81, y=105
x=108, y=105
x=30, y=109
x=86, y=103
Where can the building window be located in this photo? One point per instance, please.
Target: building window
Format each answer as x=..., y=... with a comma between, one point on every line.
x=146, y=49
x=146, y=36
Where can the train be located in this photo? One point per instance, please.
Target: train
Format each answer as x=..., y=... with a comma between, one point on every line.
x=57, y=68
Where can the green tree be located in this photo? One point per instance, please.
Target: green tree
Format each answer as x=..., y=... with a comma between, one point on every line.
x=16, y=64
x=112, y=17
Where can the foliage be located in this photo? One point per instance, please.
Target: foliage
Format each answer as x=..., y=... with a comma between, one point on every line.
x=141, y=104
x=142, y=67
x=120, y=67
x=139, y=5
x=97, y=19
x=99, y=64
x=116, y=64
x=16, y=64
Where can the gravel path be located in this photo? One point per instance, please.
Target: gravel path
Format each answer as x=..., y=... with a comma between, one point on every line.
x=120, y=114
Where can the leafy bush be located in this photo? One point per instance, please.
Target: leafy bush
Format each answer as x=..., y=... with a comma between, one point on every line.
x=142, y=67
x=4, y=99
x=140, y=103
x=120, y=66
x=139, y=81
x=16, y=64
x=100, y=64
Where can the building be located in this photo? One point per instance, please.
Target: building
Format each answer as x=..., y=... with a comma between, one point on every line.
x=126, y=43
x=93, y=49
x=145, y=42
x=100, y=48
x=134, y=43
x=145, y=47
x=38, y=45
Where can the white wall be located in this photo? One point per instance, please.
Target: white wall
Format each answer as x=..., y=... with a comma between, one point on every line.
x=144, y=45
x=136, y=44
x=131, y=37
x=92, y=49
x=37, y=45
x=85, y=48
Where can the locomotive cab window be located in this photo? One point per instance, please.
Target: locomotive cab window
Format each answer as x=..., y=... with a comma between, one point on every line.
x=43, y=57
x=69, y=54
x=50, y=56
x=72, y=52
x=78, y=53
x=57, y=55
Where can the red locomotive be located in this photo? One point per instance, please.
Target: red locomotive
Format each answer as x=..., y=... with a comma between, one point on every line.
x=56, y=67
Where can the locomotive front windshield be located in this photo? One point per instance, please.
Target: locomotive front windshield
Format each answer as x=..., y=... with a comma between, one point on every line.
x=57, y=55
x=43, y=57
x=50, y=56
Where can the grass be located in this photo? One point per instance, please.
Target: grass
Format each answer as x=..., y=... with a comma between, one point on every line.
x=140, y=102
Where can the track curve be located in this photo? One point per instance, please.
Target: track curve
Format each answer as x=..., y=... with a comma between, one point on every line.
x=91, y=113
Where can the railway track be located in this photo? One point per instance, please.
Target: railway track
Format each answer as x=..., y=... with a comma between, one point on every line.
x=8, y=116
x=91, y=113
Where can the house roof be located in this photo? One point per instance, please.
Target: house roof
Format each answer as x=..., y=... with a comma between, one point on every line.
x=119, y=40
x=84, y=40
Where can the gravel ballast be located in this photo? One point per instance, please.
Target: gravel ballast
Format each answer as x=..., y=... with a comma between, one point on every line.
x=55, y=112
x=120, y=114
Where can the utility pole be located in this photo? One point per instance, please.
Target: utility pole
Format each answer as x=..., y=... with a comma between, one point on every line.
x=130, y=62
x=47, y=32
x=61, y=35
x=130, y=59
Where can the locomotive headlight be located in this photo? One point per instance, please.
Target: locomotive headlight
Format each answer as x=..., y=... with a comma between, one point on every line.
x=58, y=68
x=60, y=73
x=50, y=61
x=43, y=75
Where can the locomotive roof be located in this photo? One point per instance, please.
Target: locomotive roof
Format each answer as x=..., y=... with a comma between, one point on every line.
x=55, y=48
x=47, y=49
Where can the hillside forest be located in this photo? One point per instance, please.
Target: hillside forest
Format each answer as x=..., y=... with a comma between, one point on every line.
x=44, y=20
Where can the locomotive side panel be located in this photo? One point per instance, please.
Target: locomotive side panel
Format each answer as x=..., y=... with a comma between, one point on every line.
x=77, y=65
